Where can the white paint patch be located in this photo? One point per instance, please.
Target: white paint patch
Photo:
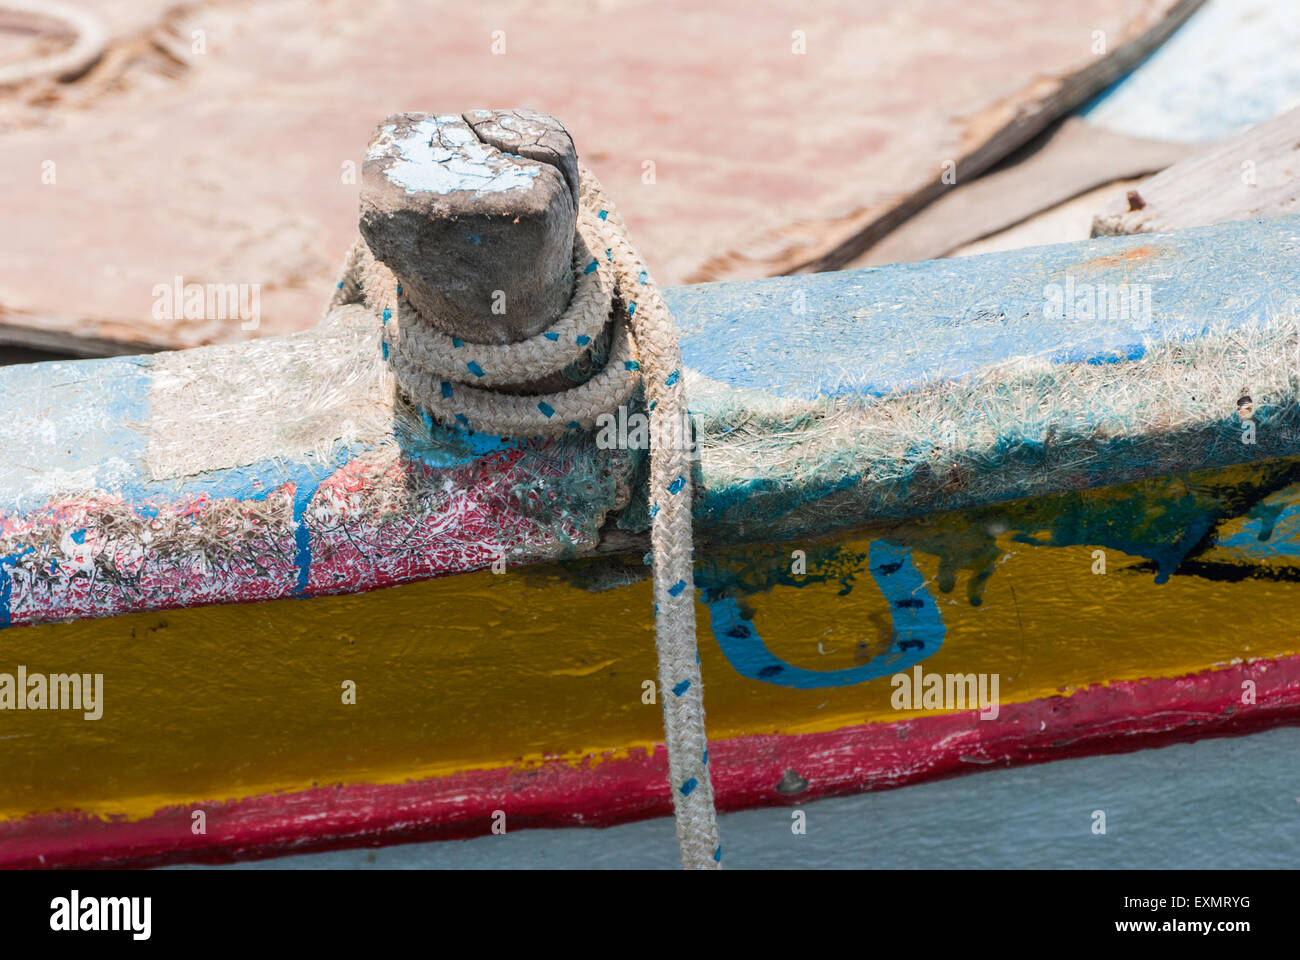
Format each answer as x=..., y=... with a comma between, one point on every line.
x=279, y=398
x=1230, y=66
x=441, y=155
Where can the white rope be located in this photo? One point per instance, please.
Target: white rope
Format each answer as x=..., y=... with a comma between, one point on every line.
x=448, y=377
x=88, y=46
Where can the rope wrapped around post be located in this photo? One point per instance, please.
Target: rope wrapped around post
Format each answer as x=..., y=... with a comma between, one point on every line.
x=451, y=378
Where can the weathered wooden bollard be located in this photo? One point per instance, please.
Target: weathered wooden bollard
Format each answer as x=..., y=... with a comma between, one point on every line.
x=475, y=216
x=467, y=215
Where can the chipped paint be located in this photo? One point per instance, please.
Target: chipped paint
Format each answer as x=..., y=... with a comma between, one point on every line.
x=441, y=155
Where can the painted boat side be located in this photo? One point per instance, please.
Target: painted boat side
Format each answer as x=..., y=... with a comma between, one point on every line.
x=751, y=771
x=235, y=710
x=236, y=707
x=284, y=467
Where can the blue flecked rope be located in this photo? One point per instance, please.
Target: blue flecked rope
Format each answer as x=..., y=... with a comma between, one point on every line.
x=431, y=368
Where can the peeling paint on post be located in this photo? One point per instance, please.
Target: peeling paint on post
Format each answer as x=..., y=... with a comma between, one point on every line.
x=475, y=215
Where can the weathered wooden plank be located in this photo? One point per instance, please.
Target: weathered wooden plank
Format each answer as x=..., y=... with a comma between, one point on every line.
x=1077, y=157
x=1230, y=66
x=1254, y=174
x=987, y=138
x=1063, y=223
x=276, y=203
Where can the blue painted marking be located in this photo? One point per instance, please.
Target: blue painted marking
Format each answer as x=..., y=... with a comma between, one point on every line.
x=673, y=378
x=553, y=337
x=677, y=588
x=582, y=340
x=302, y=536
x=631, y=308
x=631, y=365
x=474, y=368
x=682, y=687
x=446, y=390
x=547, y=410
x=1272, y=530
x=689, y=786
x=591, y=267
x=457, y=343
x=918, y=630
x=245, y=484
x=384, y=349
x=6, y=584
x=78, y=536
x=388, y=314
x=676, y=485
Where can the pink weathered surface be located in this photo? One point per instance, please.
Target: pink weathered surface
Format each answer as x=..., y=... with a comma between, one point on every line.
x=228, y=165
x=87, y=557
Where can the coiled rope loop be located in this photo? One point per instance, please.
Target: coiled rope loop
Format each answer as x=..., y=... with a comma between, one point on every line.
x=451, y=379
x=88, y=46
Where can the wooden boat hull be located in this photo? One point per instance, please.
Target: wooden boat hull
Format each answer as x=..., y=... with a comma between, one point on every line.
x=315, y=651
x=525, y=693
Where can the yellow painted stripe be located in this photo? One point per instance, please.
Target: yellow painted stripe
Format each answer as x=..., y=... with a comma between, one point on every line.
x=483, y=671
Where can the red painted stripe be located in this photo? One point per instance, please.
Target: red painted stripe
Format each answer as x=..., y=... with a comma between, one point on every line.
x=1113, y=718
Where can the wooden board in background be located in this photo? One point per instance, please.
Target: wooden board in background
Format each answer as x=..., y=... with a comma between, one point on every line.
x=1255, y=174
x=228, y=166
x=1231, y=66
